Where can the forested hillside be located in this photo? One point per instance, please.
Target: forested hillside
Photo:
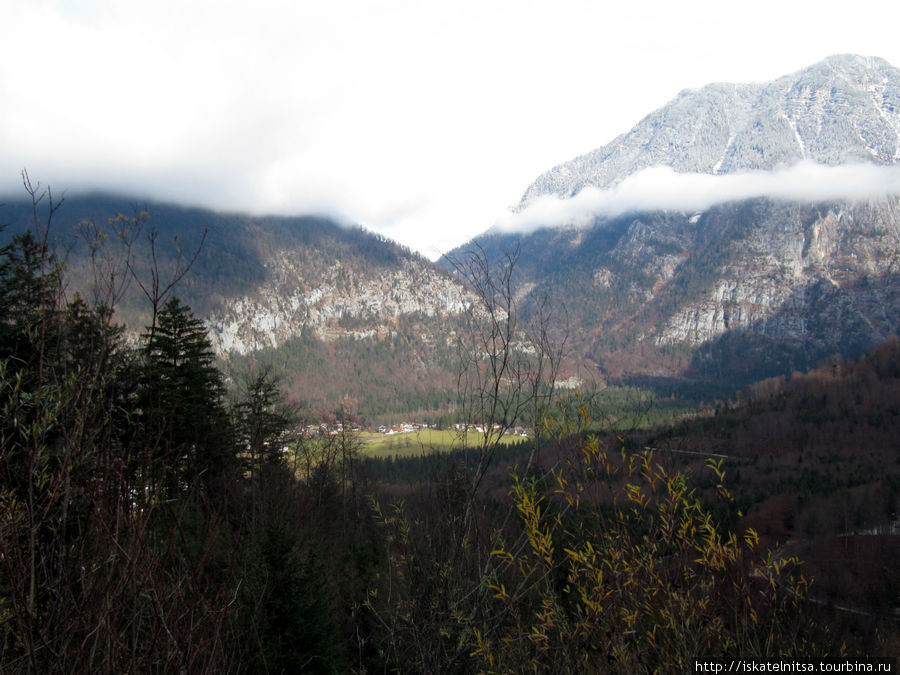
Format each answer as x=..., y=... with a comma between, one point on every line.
x=350, y=319
x=815, y=469
x=156, y=519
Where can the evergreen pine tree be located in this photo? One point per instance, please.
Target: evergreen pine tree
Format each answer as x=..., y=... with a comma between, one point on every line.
x=29, y=280
x=261, y=416
x=183, y=394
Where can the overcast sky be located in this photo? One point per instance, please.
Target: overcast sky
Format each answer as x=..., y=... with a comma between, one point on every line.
x=423, y=121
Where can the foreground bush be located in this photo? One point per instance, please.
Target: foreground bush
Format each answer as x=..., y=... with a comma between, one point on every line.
x=606, y=563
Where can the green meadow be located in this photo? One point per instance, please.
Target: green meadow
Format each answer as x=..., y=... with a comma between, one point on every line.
x=414, y=443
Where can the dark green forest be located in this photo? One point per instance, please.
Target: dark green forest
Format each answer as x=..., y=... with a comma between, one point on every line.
x=156, y=516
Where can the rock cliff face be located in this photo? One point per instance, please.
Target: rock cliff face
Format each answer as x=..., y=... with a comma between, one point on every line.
x=342, y=302
x=823, y=274
x=807, y=279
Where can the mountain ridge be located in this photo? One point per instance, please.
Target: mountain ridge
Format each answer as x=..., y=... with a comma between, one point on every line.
x=738, y=291
x=347, y=315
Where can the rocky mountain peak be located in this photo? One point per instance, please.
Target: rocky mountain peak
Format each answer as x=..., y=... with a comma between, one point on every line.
x=843, y=109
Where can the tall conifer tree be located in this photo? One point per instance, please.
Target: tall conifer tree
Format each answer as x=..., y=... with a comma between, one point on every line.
x=183, y=398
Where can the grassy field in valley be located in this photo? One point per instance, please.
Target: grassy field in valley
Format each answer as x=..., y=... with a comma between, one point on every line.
x=423, y=441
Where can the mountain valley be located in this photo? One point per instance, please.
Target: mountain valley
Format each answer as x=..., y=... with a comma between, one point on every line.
x=663, y=432
x=734, y=292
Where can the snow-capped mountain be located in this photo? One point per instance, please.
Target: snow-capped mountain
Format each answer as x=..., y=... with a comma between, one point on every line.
x=842, y=110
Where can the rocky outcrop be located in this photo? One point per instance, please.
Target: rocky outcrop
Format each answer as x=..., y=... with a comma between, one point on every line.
x=774, y=277
x=342, y=302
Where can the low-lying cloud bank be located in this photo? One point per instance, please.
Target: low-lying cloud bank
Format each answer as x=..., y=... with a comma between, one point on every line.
x=661, y=188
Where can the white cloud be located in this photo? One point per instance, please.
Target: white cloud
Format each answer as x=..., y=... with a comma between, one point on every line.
x=661, y=188
x=419, y=119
